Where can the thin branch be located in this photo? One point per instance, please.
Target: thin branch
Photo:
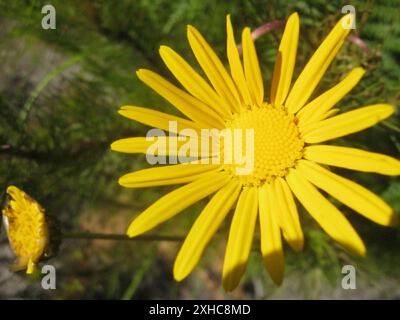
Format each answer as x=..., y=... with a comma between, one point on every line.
x=280, y=24
x=79, y=235
x=263, y=29
x=359, y=43
x=51, y=156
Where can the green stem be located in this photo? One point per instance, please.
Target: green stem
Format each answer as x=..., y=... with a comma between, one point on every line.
x=391, y=126
x=43, y=84
x=138, y=276
x=79, y=235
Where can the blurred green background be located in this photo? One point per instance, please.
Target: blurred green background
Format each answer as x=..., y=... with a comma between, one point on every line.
x=59, y=95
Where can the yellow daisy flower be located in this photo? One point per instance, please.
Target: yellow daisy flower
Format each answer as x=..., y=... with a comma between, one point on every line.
x=288, y=132
x=27, y=229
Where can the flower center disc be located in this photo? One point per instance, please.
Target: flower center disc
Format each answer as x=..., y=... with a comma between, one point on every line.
x=277, y=144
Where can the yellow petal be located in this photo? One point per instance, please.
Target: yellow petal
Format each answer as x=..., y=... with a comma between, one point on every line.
x=240, y=238
x=236, y=65
x=285, y=61
x=316, y=109
x=289, y=218
x=184, y=102
x=159, y=146
x=316, y=66
x=204, y=228
x=166, y=175
x=354, y=159
x=326, y=214
x=133, y=145
x=157, y=119
x=346, y=123
x=176, y=201
x=271, y=242
x=193, y=82
x=214, y=69
x=252, y=68
x=348, y=192
x=16, y=194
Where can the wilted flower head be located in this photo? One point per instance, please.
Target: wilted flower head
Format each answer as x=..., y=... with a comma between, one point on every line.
x=27, y=229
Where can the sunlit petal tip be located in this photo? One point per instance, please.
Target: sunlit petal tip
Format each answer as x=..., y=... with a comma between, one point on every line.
x=190, y=29
x=121, y=181
x=139, y=72
x=294, y=16
x=134, y=229
x=122, y=112
x=124, y=145
x=360, y=70
x=126, y=107
x=179, y=275
x=362, y=250
x=247, y=33
x=347, y=19
x=125, y=180
x=166, y=52
x=229, y=28
x=384, y=111
x=164, y=48
x=180, y=272
x=114, y=146
x=143, y=73
x=12, y=190
x=126, y=111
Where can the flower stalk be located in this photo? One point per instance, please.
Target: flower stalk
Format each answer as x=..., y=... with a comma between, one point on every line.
x=83, y=235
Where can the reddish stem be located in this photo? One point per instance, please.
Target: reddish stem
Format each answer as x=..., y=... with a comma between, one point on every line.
x=359, y=43
x=263, y=29
x=279, y=24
